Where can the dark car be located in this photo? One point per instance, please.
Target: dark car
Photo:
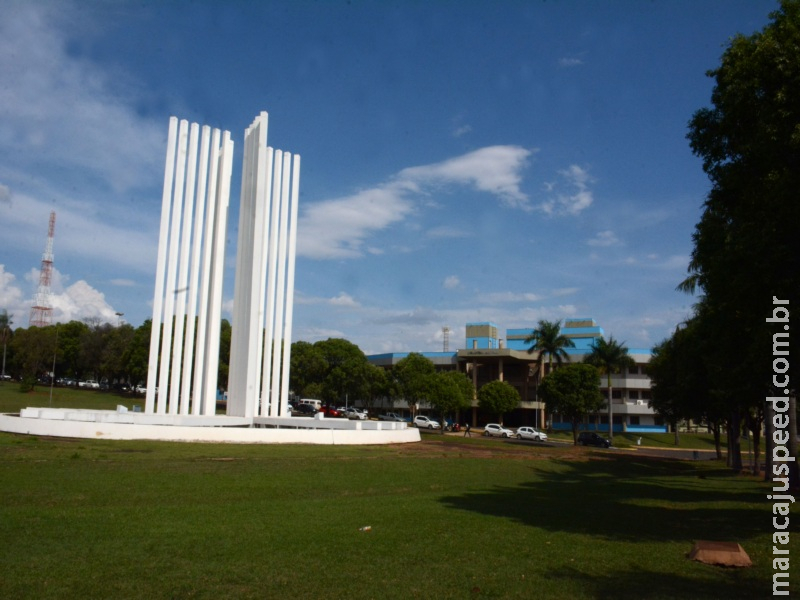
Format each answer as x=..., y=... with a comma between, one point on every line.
x=590, y=438
x=304, y=410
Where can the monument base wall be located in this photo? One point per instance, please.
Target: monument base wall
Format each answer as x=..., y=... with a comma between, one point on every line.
x=113, y=425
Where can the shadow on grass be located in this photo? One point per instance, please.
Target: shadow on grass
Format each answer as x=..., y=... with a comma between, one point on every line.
x=620, y=498
x=643, y=584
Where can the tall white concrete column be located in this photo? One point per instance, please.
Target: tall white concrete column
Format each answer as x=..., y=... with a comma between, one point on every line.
x=264, y=255
x=187, y=304
x=194, y=216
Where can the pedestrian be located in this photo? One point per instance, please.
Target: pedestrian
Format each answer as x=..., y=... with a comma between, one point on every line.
x=466, y=431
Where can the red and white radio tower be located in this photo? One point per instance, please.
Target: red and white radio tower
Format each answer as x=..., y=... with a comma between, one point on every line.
x=42, y=311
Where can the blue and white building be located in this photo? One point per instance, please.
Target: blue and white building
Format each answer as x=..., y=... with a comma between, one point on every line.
x=487, y=357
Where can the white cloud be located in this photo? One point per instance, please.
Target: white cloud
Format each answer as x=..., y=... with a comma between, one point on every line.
x=337, y=228
x=446, y=231
x=677, y=261
x=508, y=297
x=451, y=282
x=76, y=302
x=604, y=239
x=564, y=291
x=494, y=169
x=123, y=282
x=58, y=108
x=345, y=300
x=571, y=203
x=11, y=297
x=570, y=62
x=79, y=302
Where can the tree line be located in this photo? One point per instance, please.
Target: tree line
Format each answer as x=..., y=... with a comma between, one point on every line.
x=335, y=370
x=86, y=350
x=718, y=366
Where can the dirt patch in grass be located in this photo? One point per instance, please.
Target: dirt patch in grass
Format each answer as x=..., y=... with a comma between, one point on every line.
x=467, y=448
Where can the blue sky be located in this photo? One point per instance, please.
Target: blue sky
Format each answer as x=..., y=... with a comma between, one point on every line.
x=461, y=161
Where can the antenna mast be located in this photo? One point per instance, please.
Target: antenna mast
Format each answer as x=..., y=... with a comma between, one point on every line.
x=42, y=310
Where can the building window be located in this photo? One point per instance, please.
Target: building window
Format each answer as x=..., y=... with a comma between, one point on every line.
x=634, y=370
x=634, y=420
x=646, y=395
x=633, y=394
x=616, y=394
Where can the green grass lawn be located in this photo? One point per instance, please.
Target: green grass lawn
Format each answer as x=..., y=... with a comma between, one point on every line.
x=12, y=399
x=451, y=517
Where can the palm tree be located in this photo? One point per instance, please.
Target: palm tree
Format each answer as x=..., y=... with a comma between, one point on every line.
x=5, y=324
x=548, y=341
x=609, y=357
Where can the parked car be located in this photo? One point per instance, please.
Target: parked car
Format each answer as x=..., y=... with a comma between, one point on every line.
x=531, y=433
x=304, y=410
x=390, y=416
x=313, y=402
x=590, y=438
x=425, y=423
x=330, y=411
x=495, y=430
x=355, y=414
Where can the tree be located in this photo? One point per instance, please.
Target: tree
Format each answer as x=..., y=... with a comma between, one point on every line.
x=34, y=349
x=609, y=357
x=378, y=385
x=549, y=342
x=224, y=354
x=116, y=343
x=70, y=348
x=135, y=357
x=498, y=397
x=744, y=248
x=449, y=392
x=411, y=377
x=308, y=367
x=344, y=373
x=5, y=335
x=681, y=383
x=572, y=392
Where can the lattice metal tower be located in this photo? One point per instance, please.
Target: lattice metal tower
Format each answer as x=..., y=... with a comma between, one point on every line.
x=42, y=310
x=445, y=339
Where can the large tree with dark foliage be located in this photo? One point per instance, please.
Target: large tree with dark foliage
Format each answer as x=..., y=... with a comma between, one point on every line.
x=572, y=392
x=745, y=247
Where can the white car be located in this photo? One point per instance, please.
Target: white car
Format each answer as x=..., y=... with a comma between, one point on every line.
x=531, y=433
x=354, y=414
x=495, y=430
x=426, y=423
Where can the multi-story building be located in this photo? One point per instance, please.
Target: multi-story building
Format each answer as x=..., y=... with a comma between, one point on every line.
x=487, y=358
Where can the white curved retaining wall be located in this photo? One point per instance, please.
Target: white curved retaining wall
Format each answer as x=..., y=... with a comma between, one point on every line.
x=111, y=425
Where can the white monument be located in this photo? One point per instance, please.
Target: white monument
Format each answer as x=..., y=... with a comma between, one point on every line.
x=181, y=398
